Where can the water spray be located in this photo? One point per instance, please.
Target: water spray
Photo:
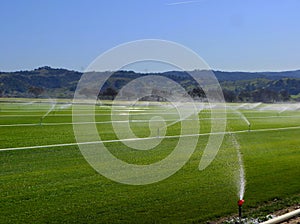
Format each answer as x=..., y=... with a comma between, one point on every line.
x=241, y=180
x=53, y=103
x=185, y=114
x=240, y=204
x=242, y=116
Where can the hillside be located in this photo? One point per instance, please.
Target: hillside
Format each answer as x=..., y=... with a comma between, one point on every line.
x=237, y=86
x=53, y=82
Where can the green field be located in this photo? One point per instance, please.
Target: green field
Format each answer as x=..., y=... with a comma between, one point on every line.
x=55, y=184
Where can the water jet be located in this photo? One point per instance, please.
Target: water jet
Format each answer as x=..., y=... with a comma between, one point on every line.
x=241, y=179
x=53, y=103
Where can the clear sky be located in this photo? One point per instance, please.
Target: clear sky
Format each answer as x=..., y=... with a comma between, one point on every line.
x=253, y=35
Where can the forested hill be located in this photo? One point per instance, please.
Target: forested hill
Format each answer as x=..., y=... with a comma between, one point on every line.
x=237, y=86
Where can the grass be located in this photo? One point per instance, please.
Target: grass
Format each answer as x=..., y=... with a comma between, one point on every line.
x=57, y=185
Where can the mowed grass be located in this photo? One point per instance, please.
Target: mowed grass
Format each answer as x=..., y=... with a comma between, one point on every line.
x=57, y=185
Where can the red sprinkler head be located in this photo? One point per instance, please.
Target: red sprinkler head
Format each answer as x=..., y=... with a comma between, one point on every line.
x=240, y=202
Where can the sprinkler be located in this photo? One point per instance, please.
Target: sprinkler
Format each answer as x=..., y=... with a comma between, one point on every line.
x=240, y=204
x=249, y=127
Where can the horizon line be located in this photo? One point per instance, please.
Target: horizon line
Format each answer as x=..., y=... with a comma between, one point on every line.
x=145, y=72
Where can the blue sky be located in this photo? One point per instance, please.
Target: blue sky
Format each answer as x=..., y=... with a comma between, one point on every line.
x=253, y=35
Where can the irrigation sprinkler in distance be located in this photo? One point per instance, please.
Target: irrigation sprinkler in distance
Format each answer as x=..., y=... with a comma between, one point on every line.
x=240, y=204
x=249, y=127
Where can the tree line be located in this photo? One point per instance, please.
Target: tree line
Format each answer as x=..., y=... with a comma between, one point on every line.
x=260, y=91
